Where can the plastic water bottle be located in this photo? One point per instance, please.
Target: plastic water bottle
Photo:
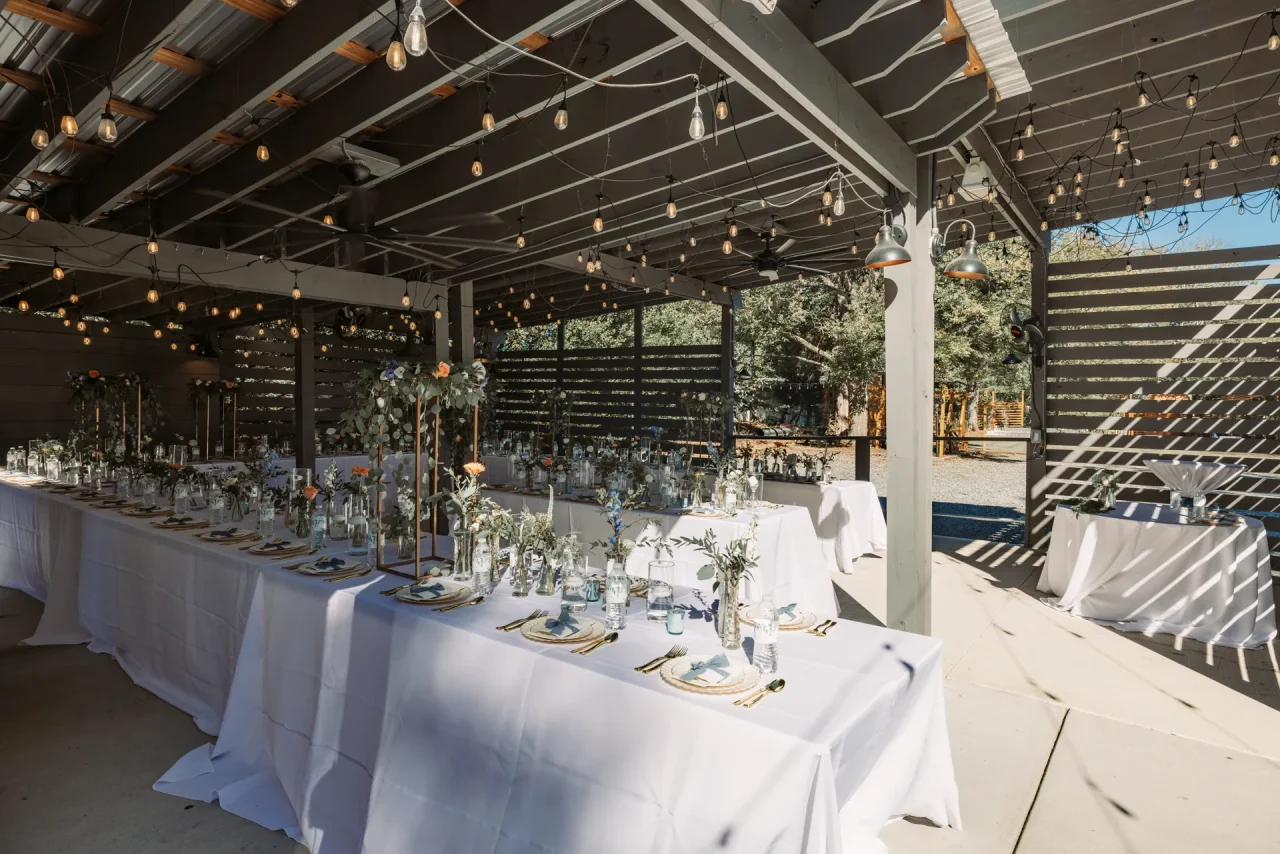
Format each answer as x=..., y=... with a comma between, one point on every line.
x=318, y=529
x=358, y=528
x=266, y=519
x=217, y=506
x=617, y=589
x=765, y=655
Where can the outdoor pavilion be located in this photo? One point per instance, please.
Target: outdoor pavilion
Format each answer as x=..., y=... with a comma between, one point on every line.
x=239, y=127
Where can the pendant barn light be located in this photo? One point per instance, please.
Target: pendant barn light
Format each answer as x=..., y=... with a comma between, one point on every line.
x=967, y=265
x=888, y=252
x=107, y=130
x=415, y=34
x=33, y=212
x=40, y=138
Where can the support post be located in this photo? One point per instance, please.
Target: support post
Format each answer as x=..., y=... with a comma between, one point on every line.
x=560, y=354
x=908, y=296
x=637, y=379
x=1035, y=521
x=862, y=458
x=462, y=331
x=440, y=346
x=726, y=371
x=304, y=389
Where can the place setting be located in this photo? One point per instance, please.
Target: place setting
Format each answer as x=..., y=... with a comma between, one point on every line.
x=277, y=549
x=333, y=568
x=441, y=593
x=790, y=617
x=146, y=511
x=568, y=628
x=179, y=522
x=229, y=536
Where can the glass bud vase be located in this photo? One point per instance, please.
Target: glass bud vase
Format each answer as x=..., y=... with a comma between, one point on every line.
x=462, y=548
x=302, y=523
x=404, y=546
x=235, y=507
x=520, y=574
x=547, y=579
x=727, y=614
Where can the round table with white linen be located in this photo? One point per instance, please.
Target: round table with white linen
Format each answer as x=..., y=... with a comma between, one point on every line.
x=1146, y=568
x=846, y=514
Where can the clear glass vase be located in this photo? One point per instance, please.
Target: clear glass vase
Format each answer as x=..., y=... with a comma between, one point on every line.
x=302, y=522
x=662, y=575
x=727, y=614
x=573, y=583
x=547, y=578
x=462, y=553
x=520, y=573
x=235, y=508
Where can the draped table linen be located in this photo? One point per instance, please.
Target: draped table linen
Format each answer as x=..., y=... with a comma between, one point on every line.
x=1193, y=478
x=846, y=514
x=1145, y=568
x=361, y=724
x=792, y=566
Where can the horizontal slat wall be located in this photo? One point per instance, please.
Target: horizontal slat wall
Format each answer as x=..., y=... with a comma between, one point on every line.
x=36, y=353
x=604, y=382
x=266, y=377
x=1177, y=360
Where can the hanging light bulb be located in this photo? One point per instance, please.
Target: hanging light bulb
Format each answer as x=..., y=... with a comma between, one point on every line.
x=105, y=329
x=1213, y=160
x=1079, y=215
x=1053, y=197
x=156, y=333
x=170, y=325
x=33, y=213
x=406, y=300
x=1115, y=132
x=722, y=106
x=1234, y=139
x=839, y=207
x=396, y=58
x=733, y=228
x=1273, y=160
x=1120, y=179
x=1079, y=176
x=1079, y=190
x=257, y=306
x=827, y=197
x=1044, y=225
x=181, y=306
x=991, y=235
x=86, y=340
x=1020, y=154
x=40, y=138
x=1146, y=197
x=727, y=246
x=328, y=219
x=693, y=241
x=153, y=245
x=1273, y=40
x=1199, y=192
x=697, y=127
x=58, y=273
x=415, y=33
x=296, y=292
x=591, y=265
x=521, y=241
x=951, y=199
x=487, y=120
x=1059, y=189
x=215, y=311
x=293, y=331
x=1192, y=99
x=263, y=153
x=1030, y=129
x=524, y=303
x=81, y=326
x=561, y=120
x=597, y=224
x=644, y=259
x=477, y=167
x=69, y=125
x=672, y=210
x=75, y=297
x=579, y=257
x=107, y=130
x=939, y=202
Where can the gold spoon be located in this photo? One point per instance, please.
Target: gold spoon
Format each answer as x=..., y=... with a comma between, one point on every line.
x=773, y=687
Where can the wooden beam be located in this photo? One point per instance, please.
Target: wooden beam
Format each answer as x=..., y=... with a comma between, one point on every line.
x=79, y=145
x=285, y=101
x=260, y=9
x=878, y=46
x=181, y=62
x=534, y=41
x=223, y=137
x=444, y=90
x=357, y=53
x=53, y=17
x=179, y=169
x=25, y=79
x=48, y=177
x=916, y=80
x=133, y=111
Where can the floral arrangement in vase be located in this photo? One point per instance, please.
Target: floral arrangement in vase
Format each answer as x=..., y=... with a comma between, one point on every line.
x=728, y=566
x=615, y=546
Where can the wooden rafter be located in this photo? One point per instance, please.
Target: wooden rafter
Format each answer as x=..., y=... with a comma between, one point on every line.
x=180, y=61
x=25, y=79
x=133, y=111
x=260, y=9
x=357, y=53
x=534, y=41
x=285, y=101
x=53, y=17
x=48, y=177
x=79, y=145
x=223, y=137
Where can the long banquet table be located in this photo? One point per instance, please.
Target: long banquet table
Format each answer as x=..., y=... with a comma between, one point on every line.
x=792, y=567
x=342, y=713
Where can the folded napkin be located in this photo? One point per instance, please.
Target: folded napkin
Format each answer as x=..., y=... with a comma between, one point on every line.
x=433, y=590
x=277, y=547
x=220, y=534
x=563, y=625
x=788, y=611
x=713, y=671
x=329, y=563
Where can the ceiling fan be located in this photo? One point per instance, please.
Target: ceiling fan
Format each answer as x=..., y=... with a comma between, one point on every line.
x=771, y=263
x=355, y=228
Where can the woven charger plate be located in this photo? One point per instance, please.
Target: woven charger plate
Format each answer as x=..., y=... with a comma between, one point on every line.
x=747, y=678
x=805, y=620
x=347, y=566
x=275, y=551
x=453, y=592
x=237, y=535
x=535, y=630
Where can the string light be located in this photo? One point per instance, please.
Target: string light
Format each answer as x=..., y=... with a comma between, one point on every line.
x=328, y=219
x=1053, y=197
x=727, y=246
x=107, y=130
x=75, y=297
x=838, y=208
x=1213, y=158
x=438, y=314
x=182, y=306
x=396, y=58
x=415, y=34
x=153, y=245
x=33, y=212
x=722, y=105
x=697, y=127
x=263, y=153
x=1193, y=87
x=296, y=291
x=294, y=333
x=406, y=300
x=40, y=139
x=597, y=224
x=951, y=198
x=827, y=197
x=521, y=242
x=106, y=330
x=1186, y=174
x=1020, y=154
x=561, y=120
x=672, y=210
x=1059, y=189
x=58, y=273
x=69, y=125
x=1030, y=130
x=477, y=167
x=1273, y=40
x=215, y=311
x=733, y=228
x=156, y=333
x=1143, y=99
x=81, y=326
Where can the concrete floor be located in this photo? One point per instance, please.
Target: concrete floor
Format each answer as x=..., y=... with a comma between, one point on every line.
x=1071, y=737
x=1067, y=737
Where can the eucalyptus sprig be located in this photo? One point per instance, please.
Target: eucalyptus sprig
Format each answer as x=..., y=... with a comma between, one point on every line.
x=730, y=564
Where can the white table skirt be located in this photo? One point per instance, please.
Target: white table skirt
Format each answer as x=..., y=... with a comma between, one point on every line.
x=792, y=567
x=1144, y=568
x=846, y=515
x=359, y=724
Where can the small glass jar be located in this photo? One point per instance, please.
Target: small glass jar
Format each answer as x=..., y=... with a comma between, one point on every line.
x=675, y=621
x=358, y=526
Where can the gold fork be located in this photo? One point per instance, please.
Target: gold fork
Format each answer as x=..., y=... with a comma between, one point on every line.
x=675, y=652
x=457, y=605
x=820, y=630
x=365, y=571
x=515, y=624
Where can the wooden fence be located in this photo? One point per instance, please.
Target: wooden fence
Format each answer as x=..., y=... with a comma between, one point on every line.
x=622, y=391
x=1178, y=359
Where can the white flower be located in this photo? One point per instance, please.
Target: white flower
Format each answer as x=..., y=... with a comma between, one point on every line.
x=381, y=402
x=702, y=395
x=648, y=478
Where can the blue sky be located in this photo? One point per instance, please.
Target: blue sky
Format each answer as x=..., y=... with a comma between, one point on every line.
x=1227, y=226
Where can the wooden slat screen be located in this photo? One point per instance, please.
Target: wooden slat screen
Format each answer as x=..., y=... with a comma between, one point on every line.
x=605, y=382
x=1179, y=359
x=266, y=377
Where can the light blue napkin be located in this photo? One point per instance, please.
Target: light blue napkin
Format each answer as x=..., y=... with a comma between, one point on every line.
x=562, y=625
x=435, y=589
x=712, y=671
x=329, y=563
x=789, y=611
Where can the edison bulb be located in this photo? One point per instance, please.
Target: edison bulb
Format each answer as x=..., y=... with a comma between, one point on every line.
x=1191, y=100
x=262, y=331
x=107, y=130
x=156, y=333
x=477, y=168
x=396, y=58
x=1020, y=154
x=597, y=224
x=173, y=345
x=66, y=321
x=69, y=125
x=1146, y=198
x=40, y=138
x=1053, y=197
x=296, y=292
x=1234, y=141
x=1120, y=181
x=58, y=273
x=672, y=210
x=727, y=247
x=722, y=108
x=561, y=120
x=1079, y=216
x=520, y=240
x=827, y=198
x=33, y=213
x=86, y=340
x=153, y=246
x=733, y=229
x=153, y=295
x=214, y=311
x=1059, y=189
x=81, y=326
x=693, y=241
x=182, y=306
x=415, y=34
x=1030, y=130
x=1273, y=160
x=106, y=329
x=293, y=331
x=951, y=198
x=1199, y=193
x=526, y=303
x=263, y=153
x=328, y=219
x=488, y=122
x=170, y=325
x=1143, y=100
x=74, y=298
x=1186, y=180
x=697, y=127
x=839, y=207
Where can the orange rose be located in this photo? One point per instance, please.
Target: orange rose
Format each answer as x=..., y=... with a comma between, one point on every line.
x=94, y=374
x=177, y=466
x=442, y=371
x=546, y=461
x=474, y=469
x=360, y=470
x=310, y=492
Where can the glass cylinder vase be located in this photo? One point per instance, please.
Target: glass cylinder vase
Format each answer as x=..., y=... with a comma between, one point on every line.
x=462, y=553
x=727, y=614
x=662, y=575
x=520, y=573
x=547, y=578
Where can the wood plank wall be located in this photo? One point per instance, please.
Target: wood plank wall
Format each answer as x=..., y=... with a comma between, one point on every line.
x=1178, y=359
x=37, y=352
x=605, y=382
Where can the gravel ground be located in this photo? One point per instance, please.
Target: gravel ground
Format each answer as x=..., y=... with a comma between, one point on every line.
x=975, y=496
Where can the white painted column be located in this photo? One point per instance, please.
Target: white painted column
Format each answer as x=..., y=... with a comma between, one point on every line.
x=909, y=416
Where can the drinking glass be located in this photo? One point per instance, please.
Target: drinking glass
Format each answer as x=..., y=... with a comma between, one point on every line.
x=217, y=506
x=219, y=451
x=180, y=499
x=661, y=580
x=266, y=520
x=573, y=585
x=148, y=491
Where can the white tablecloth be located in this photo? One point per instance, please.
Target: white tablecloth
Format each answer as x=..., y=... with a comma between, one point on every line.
x=1143, y=567
x=1194, y=478
x=792, y=567
x=846, y=515
x=359, y=724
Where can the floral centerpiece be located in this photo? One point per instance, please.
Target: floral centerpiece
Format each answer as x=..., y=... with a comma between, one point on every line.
x=825, y=457
x=1103, y=497
x=728, y=566
x=616, y=547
